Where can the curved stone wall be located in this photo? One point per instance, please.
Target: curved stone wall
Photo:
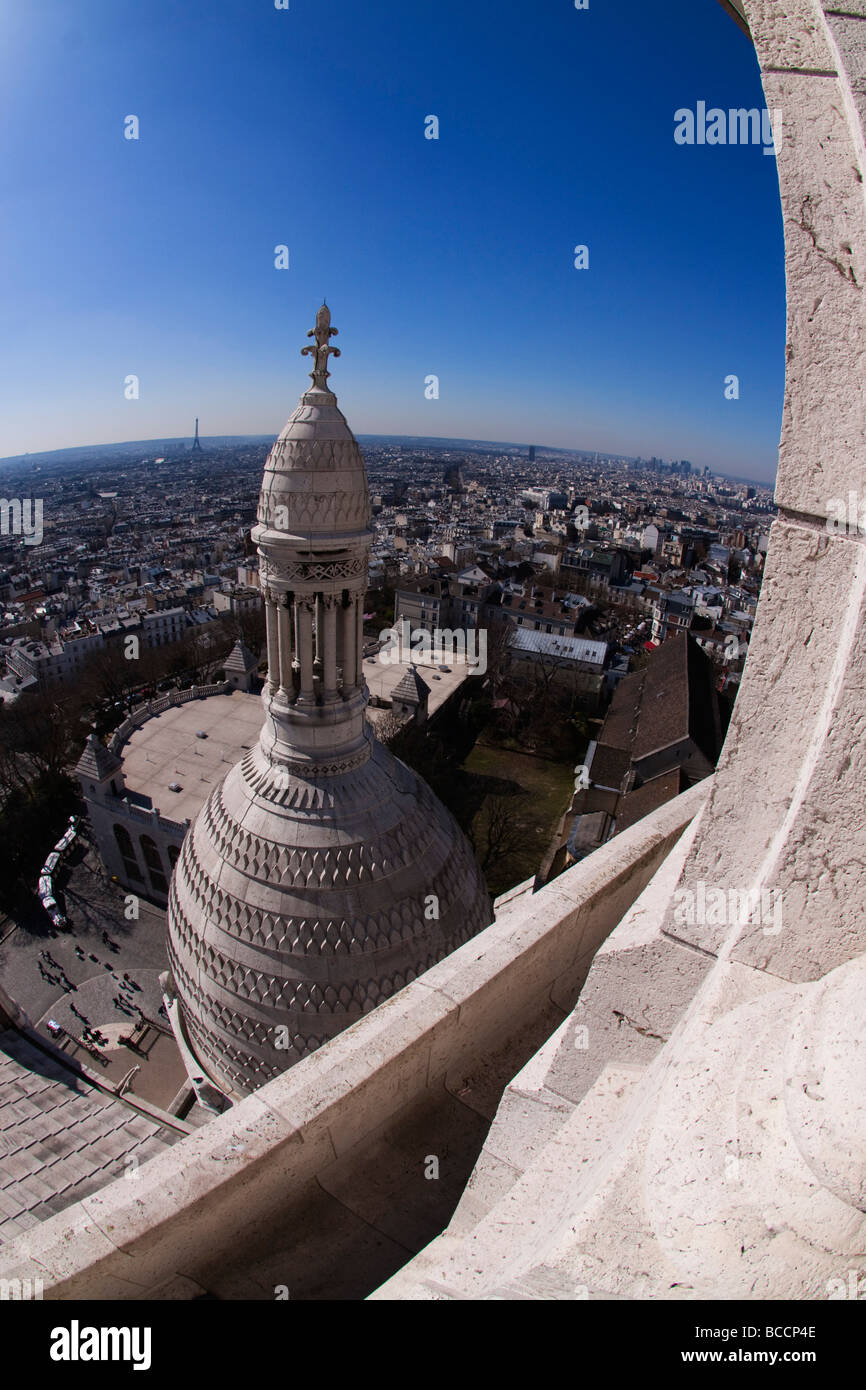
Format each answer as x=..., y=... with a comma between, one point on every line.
x=721, y=1155
x=786, y=810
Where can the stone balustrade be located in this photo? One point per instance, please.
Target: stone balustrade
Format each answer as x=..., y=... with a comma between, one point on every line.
x=142, y=713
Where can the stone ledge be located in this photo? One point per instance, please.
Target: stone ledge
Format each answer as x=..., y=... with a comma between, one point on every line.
x=230, y=1181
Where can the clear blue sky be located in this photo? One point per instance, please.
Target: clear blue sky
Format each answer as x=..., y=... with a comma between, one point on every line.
x=454, y=257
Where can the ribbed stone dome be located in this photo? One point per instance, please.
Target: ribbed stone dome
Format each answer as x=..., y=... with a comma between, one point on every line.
x=301, y=904
x=322, y=875
x=315, y=483
x=315, y=474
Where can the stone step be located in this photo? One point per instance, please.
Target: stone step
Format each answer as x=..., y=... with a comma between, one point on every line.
x=528, y=1116
x=503, y=1251
x=543, y=1095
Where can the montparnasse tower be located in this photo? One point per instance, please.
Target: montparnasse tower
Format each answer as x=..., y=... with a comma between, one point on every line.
x=322, y=875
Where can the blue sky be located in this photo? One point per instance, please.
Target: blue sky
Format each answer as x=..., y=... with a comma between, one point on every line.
x=453, y=257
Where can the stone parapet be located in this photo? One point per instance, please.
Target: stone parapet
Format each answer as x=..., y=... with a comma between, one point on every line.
x=142, y=713
x=227, y=1196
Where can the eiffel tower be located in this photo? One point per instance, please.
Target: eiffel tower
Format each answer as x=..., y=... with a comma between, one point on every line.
x=196, y=443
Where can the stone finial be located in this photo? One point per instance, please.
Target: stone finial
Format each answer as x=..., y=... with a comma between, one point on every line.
x=322, y=333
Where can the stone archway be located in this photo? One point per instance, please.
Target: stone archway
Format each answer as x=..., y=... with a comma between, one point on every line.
x=785, y=816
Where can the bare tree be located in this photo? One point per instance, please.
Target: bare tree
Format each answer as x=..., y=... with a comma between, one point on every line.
x=497, y=834
x=252, y=630
x=38, y=735
x=499, y=635
x=545, y=579
x=388, y=727
x=107, y=675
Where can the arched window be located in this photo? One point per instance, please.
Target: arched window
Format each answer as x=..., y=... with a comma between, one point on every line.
x=173, y=855
x=154, y=865
x=127, y=853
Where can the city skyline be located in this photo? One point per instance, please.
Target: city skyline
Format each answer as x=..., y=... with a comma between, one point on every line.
x=52, y=459
x=450, y=258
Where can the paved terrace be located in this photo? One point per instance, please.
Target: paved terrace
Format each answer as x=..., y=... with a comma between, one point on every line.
x=382, y=679
x=166, y=748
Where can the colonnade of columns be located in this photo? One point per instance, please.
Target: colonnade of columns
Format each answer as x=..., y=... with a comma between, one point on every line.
x=313, y=641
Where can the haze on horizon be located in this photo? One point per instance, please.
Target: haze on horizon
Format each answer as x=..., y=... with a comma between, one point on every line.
x=452, y=257
x=48, y=458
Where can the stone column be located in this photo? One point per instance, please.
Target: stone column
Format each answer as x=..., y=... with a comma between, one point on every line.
x=359, y=638
x=296, y=645
x=284, y=625
x=341, y=644
x=317, y=668
x=305, y=647
x=328, y=647
x=348, y=625
x=273, y=644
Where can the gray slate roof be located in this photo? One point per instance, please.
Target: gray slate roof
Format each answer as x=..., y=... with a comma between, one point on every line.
x=60, y=1138
x=411, y=687
x=97, y=761
x=240, y=659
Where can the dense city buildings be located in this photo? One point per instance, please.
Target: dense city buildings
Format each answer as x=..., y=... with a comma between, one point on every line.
x=569, y=569
x=169, y=535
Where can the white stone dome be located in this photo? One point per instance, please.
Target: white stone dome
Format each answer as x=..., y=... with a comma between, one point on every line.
x=315, y=473
x=322, y=875
x=302, y=903
x=315, y=484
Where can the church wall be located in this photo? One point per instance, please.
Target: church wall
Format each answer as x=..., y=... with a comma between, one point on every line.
x=107, y=813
